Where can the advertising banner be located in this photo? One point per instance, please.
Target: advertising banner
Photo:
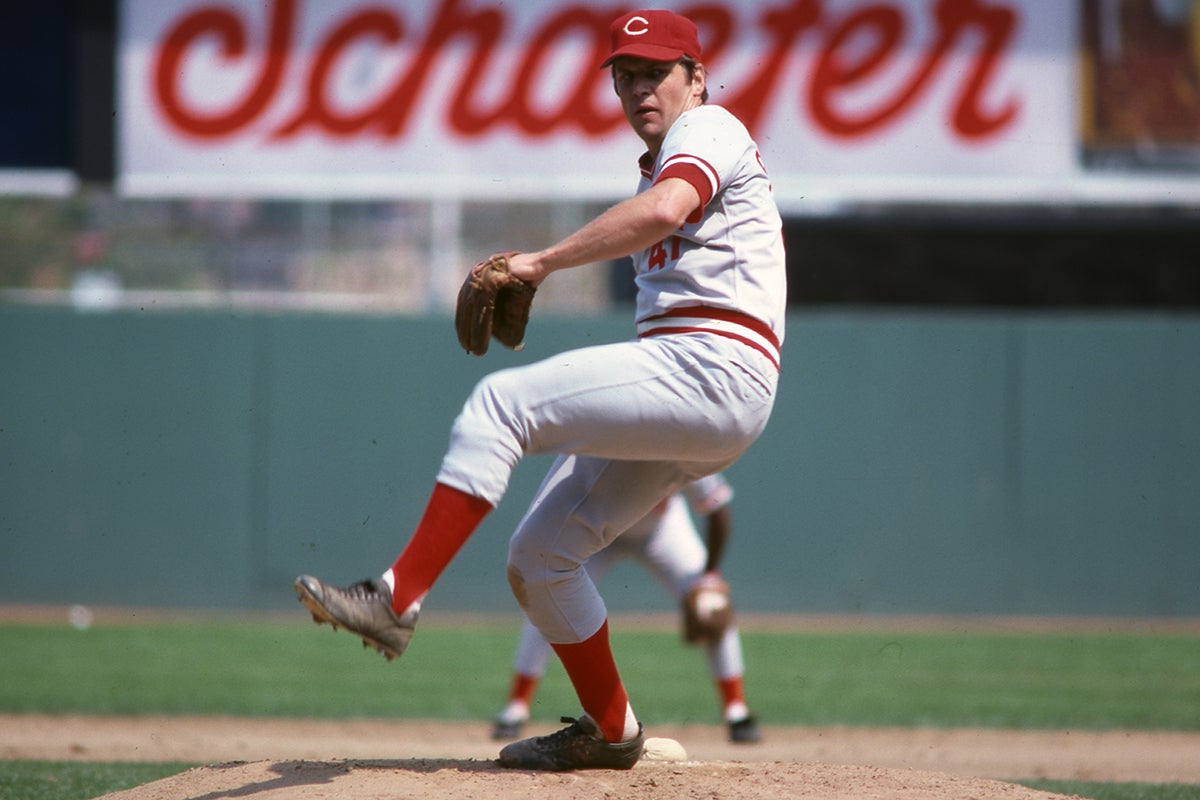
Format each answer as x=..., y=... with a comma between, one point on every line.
x=849, y=100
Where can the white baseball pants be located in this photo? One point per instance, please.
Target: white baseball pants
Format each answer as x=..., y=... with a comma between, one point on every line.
x=635, y=422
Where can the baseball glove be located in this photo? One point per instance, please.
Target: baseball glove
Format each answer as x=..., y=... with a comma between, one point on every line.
x=707, y=610
x=492, y=302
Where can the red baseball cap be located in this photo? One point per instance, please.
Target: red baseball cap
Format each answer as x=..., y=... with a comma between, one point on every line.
x=654, y=35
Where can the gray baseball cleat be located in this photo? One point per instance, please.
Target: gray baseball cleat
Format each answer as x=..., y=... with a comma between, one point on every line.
x=364, y=608
x=580, y=746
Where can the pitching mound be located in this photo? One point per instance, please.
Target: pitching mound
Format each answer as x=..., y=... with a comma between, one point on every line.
x=450, y=779
x=270, y=759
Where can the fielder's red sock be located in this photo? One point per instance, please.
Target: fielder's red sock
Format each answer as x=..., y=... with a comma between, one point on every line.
x=732, y=690
x=593, y=672
x=733, y=698
x=450, y=517
x=523, y=687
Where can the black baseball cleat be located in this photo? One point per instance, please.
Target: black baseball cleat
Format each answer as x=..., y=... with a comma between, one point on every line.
x=364, y=608
x=506, y=730
x=745, y=731
x=579, y=746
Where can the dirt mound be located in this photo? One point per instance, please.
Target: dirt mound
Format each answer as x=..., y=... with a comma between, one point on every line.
x=365, y=759
x=1147, y=756
x=450, y=779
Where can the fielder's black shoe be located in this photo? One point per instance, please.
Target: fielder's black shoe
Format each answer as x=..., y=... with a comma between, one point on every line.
x=580, y=746
x=744, y=731
x=507, y=725
x=506, y=730
x=364, y=608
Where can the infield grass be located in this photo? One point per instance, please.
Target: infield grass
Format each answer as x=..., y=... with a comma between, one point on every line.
x=76, y=780
x=461, y=671
x=1039, y=681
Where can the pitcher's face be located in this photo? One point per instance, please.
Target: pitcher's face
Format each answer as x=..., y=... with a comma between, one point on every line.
x=654, y=94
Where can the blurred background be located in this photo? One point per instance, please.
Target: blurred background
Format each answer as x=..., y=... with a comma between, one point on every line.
x=231, y=236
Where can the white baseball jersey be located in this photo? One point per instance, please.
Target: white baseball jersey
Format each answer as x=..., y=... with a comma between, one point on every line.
x=708, y=494
x=705, y=496
x=724, y=269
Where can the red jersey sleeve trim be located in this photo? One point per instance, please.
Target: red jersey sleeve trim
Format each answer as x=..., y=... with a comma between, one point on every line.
x=697, y=172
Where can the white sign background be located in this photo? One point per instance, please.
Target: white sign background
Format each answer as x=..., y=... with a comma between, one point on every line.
x=179, y=60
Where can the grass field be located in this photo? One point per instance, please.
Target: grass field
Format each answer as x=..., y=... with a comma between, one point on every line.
x=1083, y=680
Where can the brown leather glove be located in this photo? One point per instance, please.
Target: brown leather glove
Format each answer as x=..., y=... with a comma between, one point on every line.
x=707, y=610
x=492, y=302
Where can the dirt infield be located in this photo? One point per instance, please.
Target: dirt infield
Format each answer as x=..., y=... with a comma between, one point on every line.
x=272, y=759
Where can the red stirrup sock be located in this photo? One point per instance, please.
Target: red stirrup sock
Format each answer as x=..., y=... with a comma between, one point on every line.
x=732, y=690
x=593, y=672
x=451, y=516
x=733, y=697
x=523, y=687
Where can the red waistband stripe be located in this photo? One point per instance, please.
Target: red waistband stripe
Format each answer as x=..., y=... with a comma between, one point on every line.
x=723, y=322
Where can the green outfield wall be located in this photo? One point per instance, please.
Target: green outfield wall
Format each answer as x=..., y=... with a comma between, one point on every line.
x=1034, y=463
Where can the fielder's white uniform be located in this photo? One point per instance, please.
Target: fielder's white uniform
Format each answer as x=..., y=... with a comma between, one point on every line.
x=666, y=543
x=636, y=421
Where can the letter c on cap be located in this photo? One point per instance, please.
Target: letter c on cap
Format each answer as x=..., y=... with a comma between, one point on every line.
x=645, y=26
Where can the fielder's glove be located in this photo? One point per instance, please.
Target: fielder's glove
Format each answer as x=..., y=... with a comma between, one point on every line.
x=492, y=302
x=707, y=610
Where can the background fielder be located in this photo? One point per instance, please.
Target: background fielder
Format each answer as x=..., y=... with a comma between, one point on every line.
x=667, y=544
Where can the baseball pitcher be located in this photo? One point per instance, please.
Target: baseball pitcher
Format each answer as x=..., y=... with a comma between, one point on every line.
x=631, y=422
